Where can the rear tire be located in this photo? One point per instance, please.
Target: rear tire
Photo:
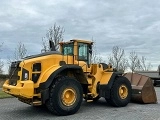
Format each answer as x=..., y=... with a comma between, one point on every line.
x=65, y=96
x=120, y=93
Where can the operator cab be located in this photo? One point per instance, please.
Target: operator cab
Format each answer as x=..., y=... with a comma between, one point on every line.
x=81, y=50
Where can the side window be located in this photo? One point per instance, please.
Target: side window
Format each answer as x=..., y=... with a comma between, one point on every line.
x=82, y=51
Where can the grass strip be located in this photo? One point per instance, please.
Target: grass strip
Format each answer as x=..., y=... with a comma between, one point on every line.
x=4, y=95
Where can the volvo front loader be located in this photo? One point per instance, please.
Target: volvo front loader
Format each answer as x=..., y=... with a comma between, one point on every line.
x=61, y=80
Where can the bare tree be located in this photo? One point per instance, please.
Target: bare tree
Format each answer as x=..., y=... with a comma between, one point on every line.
x=118, y=53
x=20, y=51
x=111, y=61
x=96, y=57
x=117, y=59
x=144, y=65
x=1, y=66
x=54, y=34
x=138, y=64
x=1, y=62
x=134, y=63
x=45, y=45
x=94, y=52
x=138, y=68
x=123, y=65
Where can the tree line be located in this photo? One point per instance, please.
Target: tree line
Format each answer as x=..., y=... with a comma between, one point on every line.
x=134, y=62
x=117, y=58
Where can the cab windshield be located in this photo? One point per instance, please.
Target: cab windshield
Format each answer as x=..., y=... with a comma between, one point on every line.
x=67, y=49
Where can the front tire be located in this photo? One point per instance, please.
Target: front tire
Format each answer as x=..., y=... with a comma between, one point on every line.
x=120, y=92
x=65, y=96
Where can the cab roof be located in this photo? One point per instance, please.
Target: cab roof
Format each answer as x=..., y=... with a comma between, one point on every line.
x=78, y=40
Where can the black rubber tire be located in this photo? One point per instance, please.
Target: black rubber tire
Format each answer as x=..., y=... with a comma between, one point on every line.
x=55, y=104
x=115, y=99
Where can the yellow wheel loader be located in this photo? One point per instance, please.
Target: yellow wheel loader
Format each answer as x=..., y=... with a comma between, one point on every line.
x=61, y=80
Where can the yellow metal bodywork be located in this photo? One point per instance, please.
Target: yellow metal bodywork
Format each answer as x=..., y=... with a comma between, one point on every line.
x=94, y=74
x=105, y=77
x=26, y=88
x=98, y=75
x=22, y=89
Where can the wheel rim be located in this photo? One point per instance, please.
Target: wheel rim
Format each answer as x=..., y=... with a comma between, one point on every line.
x=69, y=96
x=123, y=92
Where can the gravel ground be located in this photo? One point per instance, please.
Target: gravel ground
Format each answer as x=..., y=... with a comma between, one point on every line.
x=12, y=109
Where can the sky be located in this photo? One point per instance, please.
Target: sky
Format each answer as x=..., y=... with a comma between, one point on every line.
x=133, y=25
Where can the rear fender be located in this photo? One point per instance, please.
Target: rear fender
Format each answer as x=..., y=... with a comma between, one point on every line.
x=104, y=89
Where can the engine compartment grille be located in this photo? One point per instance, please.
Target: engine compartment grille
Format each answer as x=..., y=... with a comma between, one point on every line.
x=13, y=73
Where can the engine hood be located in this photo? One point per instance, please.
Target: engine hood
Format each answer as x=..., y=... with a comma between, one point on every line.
x=42, y=54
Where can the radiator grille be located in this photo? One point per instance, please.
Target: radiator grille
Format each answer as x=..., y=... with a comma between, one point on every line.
x=13, y=73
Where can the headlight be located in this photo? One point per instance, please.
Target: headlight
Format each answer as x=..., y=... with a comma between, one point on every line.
x=26, y=76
